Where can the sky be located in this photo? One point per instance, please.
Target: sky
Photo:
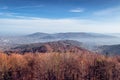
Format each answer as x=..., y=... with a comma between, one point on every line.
x=54, y=16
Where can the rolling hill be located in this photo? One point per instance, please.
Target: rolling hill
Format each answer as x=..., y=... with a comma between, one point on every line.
x=109, y=49
x=62, y=46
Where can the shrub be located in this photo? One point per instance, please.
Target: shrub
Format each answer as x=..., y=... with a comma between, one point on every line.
x=59, y=66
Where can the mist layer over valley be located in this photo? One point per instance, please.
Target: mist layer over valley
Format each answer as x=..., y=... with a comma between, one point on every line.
x=90, y=41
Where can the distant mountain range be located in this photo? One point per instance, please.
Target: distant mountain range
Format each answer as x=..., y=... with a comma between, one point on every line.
x=69, y=35
x=80, y=39
x=55, y=46
x=63, y=46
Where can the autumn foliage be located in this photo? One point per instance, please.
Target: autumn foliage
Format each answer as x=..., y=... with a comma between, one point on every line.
x=59, y=66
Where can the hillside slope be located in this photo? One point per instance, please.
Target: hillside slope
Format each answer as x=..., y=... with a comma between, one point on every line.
x=109, y=49
x=55, y=46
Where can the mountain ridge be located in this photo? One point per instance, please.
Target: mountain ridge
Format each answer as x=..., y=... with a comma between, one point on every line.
x=109, y=49
x=69, y=35
x=61, y=46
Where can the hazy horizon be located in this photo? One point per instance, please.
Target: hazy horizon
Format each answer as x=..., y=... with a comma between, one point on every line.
x=55, y=16
x=28, y=33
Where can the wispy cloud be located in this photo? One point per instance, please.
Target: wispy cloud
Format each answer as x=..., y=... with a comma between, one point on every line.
x=25, y=7
x=4, y=7
x=77, y=10
x=108, y=11
x=21, y=7
x=53, y=25
x=43, y=25
x=16, y=15
x=7, y=14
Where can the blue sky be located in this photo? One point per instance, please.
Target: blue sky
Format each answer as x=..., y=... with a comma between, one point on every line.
x=51, y=16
